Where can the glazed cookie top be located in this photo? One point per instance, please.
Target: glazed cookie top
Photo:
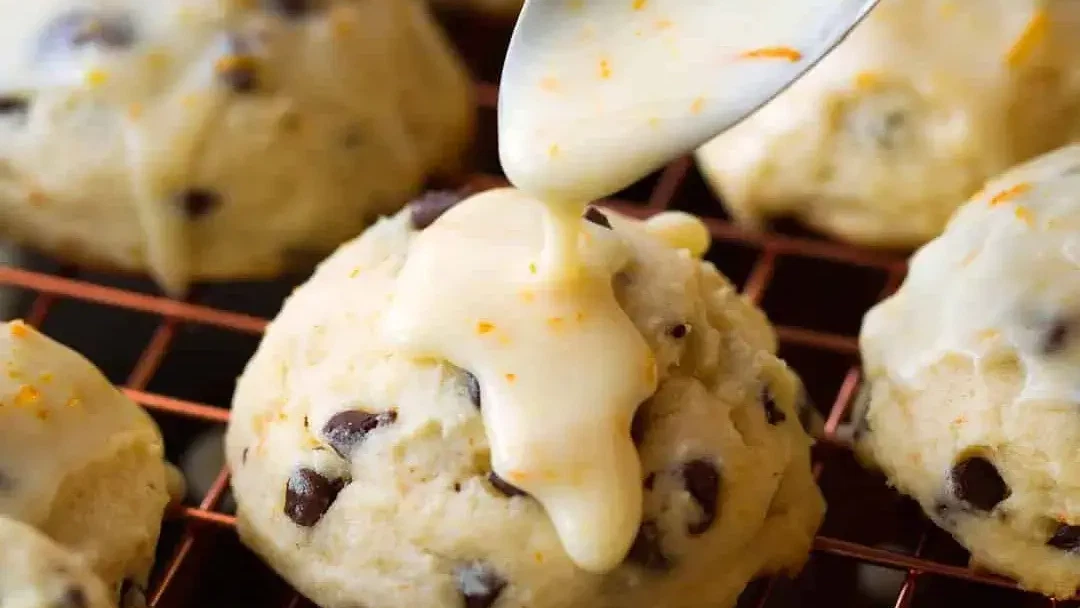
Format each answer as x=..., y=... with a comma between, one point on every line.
x=168, y=97
x=1001, y=279
x=35, y=572
x=562, y=367
x=58, y=413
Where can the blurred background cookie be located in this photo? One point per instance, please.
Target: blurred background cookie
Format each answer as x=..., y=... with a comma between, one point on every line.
x=219, y=139
x=78, y=460
x=881, y=141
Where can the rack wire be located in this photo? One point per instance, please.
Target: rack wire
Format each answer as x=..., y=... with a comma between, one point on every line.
x=815, y=291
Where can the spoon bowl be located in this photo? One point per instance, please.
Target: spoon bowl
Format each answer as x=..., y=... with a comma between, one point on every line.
x=596, y=94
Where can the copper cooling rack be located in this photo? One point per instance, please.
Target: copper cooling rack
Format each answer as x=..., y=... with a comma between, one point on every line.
x=179, y=359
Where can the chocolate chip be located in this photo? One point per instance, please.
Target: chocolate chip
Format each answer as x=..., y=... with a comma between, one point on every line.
x=638, y=425
x=1066, y=538
x=353, y=138
x=649, y=482
x=429, y=207
x=243, y=456
x=505, y=487
x=773, y=413
x=73, y=598
x=646, y=550
x=198, y=202
x=14, y=105
x=308, y=495
x=678, y=331
x=479, y=584
x=976, y=482
x=702, y=482
x=240, y=75
x=1056, y=338
x=880, y=123
x=597, y=217
x=457, y=487
x=346, y=430
x=83, y=27
x=473, y=386
x=292, y=9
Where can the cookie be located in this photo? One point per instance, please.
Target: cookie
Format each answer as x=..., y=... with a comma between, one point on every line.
x=926, y=100
x=972, y=376
x=35, y=572
x=367, y=473
x=79, y=461
x=219, y=139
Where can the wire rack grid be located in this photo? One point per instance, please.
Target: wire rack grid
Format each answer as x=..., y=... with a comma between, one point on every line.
x=813, y=289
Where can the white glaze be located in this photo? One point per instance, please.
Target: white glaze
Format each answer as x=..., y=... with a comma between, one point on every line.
x=561, y=367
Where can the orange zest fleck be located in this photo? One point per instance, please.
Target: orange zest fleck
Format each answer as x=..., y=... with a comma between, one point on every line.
x=1024, y=214
x=1009, y=194
x=96, y=77
x=19, y=329
x=867, y=79
x=26, y=395
x=74, y=402
x=549, y=84
x=135, y=110
x=518, y=475
x=605, y=69
x=553, y=151
x=639, y=4
x=42, y=414
x=528, y=296
x=579, y=317
x=663, y=24
x=555, y=322
x=698, y=105
x=773, y=52
x=1034, y=32
x=484, y=327
x=511, y=377
x=532, y=268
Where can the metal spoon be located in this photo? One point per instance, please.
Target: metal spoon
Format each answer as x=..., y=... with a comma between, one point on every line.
x=596, y=94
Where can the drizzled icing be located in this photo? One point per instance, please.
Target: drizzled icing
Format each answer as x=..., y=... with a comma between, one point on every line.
x=518, y=289
x=561, y=367
x=998, y=281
